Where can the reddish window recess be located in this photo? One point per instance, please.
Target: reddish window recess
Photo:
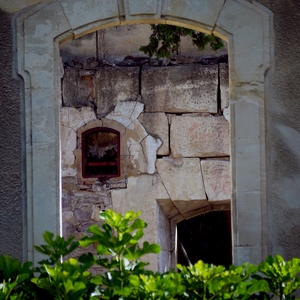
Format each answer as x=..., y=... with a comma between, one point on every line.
x=100, y=153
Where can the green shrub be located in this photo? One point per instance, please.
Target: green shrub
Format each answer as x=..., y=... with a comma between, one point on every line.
x=125, y=277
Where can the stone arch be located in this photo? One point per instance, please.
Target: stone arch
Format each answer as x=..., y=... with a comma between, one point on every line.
x=246, y=26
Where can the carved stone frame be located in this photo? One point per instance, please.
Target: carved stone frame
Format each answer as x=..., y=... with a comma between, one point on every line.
x=247, y=27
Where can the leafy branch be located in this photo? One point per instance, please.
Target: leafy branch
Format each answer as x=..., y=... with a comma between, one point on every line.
x=165, y=40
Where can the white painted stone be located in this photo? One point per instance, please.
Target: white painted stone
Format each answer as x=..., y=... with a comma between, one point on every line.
x=226, y=114
x=126, y=112
x=150, y=146
x=88, y=114
x=75, y=118
x=157, y=125
x=182, y=178
x=216, y=177
x=137, y=156
x=185, y=88
x=199, y=136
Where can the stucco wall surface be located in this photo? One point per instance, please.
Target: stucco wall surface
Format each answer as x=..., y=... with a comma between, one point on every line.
x=283, y=131
x=11, y=220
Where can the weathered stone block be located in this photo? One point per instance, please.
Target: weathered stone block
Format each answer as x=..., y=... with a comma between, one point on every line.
x=199, y=136
x=78, y=90
x=113, y=85
x=182, y=178
x=217, y=181
x=224, y=85
x=191, y=88
x=157, y=125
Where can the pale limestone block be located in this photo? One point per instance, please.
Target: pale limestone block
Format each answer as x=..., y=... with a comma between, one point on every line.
x=75, y=118
x=216, y=177
x=133, y=36
x=126, y=112
x=44, y=154
x=250, y=59
x=185, y=88
x=246, y=169
x=77, y=90
x=150, y=146
x=204, y=11
x=140, y=195
x=199, y=136
x=188, y=208
x=247, y=110
x=43, y=124
x=136, y=7
x=189, y=51
x=81, y=48
x=85, y=12
x=224, y=85
x=157, y=125
x=249, y=254
x=137, y=156
x=182, y=178
x=114, y=84
x=249, y=219
x=44, y=26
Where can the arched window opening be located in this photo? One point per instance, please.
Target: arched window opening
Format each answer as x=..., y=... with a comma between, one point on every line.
x=100, y=153
x=206, y=237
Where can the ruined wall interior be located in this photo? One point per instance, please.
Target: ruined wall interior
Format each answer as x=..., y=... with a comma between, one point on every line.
x=40, y=29
x=174, y=139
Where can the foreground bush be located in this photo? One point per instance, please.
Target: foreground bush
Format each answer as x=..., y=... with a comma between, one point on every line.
x=125, y=276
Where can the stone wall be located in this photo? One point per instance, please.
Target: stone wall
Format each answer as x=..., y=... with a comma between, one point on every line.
x=174, y=141
x=281, y=107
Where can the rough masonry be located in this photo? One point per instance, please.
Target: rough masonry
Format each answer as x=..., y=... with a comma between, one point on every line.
x=174, y=139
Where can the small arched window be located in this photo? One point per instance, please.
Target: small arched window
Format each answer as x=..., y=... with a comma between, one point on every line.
x=100, y=153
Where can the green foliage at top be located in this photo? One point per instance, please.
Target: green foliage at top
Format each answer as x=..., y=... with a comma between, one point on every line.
x=165, y=40
x=119, y=254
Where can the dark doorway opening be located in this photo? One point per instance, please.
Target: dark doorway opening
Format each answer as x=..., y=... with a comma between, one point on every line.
x=206, y=237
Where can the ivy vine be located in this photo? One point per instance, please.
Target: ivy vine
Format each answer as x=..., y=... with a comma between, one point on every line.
x=165, y=40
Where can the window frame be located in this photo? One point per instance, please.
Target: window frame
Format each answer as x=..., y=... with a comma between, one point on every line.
x=84, y=136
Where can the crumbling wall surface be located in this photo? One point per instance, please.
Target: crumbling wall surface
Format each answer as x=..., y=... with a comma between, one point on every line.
x=174, y=141
x=11, y=217
x=283, y=131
